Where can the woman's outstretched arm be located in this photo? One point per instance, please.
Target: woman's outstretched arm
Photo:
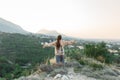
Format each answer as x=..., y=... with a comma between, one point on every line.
x=49, y=44
x=69, y=42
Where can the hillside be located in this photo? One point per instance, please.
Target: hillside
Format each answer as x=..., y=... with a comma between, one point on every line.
x=9, y=27
x=20, y=53
x=23, y=55
x=80, y=65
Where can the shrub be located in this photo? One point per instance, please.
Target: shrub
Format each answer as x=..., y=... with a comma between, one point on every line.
x=96, y=66
x=83, y=61
x=91, y=62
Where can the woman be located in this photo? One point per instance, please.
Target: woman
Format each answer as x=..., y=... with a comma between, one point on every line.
x=59, y=48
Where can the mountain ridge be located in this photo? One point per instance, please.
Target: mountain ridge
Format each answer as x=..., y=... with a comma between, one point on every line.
x=9, y=27
x=50, y=32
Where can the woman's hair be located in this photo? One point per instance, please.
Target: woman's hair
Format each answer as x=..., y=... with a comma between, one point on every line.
x=58, y=41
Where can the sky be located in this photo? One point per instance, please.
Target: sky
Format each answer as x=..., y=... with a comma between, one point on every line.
x=79, y=18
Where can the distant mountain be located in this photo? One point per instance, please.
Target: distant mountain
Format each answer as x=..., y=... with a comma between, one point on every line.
x=9, y=27
x=50, y=32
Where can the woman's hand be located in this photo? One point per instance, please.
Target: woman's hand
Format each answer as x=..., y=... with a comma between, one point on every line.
x=44, y=46
x=73, y=41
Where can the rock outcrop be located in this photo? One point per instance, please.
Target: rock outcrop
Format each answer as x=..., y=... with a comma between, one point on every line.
x=68, y=72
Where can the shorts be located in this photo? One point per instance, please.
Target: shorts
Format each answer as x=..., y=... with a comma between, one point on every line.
x=59, y=58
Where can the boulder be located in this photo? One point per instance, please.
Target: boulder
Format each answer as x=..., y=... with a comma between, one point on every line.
x=46, y=68
x=61, y=71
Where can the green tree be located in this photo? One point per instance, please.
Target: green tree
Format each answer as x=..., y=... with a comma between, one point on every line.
x=97, y=50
